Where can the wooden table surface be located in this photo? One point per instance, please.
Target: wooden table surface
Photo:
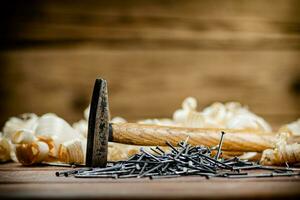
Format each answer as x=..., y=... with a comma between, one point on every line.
x=41, y=183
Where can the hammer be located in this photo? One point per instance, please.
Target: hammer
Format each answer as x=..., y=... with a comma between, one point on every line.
x=100, y=131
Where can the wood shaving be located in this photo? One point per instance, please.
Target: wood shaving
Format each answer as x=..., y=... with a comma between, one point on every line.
x=30, y=139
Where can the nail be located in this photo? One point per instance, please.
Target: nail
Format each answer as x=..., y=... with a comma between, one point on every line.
x=115, y=176
x=143, y=169
x=151, y=170
x=148, y=154
x=220, y=145
x=158, y=153
x=159, y=149
x=171, y=146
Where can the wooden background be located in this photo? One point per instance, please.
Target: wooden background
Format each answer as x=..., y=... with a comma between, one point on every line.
x=153, y=54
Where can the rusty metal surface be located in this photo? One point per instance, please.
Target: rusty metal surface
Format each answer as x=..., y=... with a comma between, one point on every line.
x=98, y=128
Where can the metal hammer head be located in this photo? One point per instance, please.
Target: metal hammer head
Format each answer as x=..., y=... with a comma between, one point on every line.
x=98, y=127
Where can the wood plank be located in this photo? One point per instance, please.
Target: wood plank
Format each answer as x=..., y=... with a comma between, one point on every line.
x=157, y=24
x=229, y=50
x=12, y=166
x=281, y=9
x=41, y=183
x=162, y=41
x=153, y=190
x=47, y=175
x=261, y=79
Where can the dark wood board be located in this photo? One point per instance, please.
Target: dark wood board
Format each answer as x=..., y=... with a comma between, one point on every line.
x=153, y=54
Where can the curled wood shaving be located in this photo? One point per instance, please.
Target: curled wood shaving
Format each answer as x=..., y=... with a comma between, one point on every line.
x=71, y=152
x=5, y=149
x=23, y=136
x=34, y=139
x=31, y=153
x=283, y=153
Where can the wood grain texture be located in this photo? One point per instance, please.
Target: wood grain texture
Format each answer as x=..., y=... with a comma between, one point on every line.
x=41, y=183
x=152, y=135
x=153, y=54
x=193, y=24
x=144, y=84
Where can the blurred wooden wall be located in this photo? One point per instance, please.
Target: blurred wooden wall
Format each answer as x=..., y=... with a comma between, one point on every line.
x=153, y=54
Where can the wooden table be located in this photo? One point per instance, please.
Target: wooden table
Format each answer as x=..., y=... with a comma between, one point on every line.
x=41, y=183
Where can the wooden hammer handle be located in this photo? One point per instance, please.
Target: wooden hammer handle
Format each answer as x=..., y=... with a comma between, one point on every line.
x=152, y=135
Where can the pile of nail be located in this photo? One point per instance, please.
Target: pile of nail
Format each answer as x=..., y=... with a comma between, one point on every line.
x=183, y=160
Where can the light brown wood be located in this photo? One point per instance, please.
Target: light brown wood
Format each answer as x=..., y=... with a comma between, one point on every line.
x=151, y=135
x=41, y=183
x=281, y=155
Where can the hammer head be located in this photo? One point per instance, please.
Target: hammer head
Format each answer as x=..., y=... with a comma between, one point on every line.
x=98, y=126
